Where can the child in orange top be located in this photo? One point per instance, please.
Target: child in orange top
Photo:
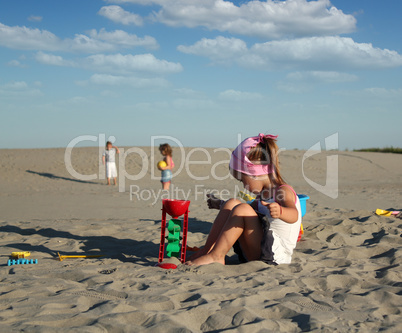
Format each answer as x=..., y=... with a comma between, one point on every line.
x=166, y=151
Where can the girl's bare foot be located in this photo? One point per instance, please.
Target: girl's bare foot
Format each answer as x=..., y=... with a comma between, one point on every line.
x=201, y=252
x=213, y=202
x=205, y=260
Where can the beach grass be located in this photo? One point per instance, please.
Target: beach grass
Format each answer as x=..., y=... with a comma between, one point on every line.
x=393, y=150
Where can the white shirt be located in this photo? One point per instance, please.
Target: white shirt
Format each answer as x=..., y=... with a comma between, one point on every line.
x=110, y=155
x=285, y=234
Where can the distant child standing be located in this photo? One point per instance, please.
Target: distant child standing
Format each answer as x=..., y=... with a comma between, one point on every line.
x=166, y=151
x=109, y=160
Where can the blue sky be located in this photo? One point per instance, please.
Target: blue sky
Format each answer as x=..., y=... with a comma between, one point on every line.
x=201, y=71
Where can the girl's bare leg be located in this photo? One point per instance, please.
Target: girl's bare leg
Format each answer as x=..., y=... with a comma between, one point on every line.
x=216, y=228
x=242, y=224
x=165, y=186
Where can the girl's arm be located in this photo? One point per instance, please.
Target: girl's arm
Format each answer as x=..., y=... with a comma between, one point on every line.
x=284, y=208
x=103, y=159
x=117, y=149
x=168, y=160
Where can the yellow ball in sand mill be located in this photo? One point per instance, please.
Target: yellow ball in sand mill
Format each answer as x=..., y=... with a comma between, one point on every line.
x=162, y=164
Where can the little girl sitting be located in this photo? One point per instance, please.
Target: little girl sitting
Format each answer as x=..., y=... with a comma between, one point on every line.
x=267, y=229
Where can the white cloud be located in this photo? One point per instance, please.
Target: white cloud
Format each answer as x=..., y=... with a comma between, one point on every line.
x=119, y=15
x=125, y=65
x=16, y=85
x=141, y=2
x=311, y=53
x=34, y=18
x=293, y=88
x=189, y=93
x=119, y=63
x=326, y=53
x=54, y=60
x=322, y=76
x=15, y=63
x=238, y=96
x=110, y=94
x=305, y=81
x=122, y=38
x=83, y=43
x=385, y=95
x=78, y=100
x=24, y=38
x=267, y=19
x=18, y=89
x=137, y=82
x=384, y=92
x=218, y=50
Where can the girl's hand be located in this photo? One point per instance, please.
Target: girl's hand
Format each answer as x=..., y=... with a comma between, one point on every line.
x=275, y=210
x=213, y=202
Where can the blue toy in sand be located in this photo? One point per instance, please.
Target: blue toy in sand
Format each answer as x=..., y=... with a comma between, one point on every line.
x=303, y=199
x=22, y=262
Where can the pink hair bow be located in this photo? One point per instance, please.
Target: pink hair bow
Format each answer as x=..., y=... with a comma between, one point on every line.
x=261, y=137
x=240, y=162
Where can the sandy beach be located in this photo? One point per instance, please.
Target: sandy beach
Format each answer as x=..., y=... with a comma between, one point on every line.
x=345, y=276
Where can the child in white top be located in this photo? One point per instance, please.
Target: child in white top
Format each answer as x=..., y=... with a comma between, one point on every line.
x=267, y=229
x=109, y=160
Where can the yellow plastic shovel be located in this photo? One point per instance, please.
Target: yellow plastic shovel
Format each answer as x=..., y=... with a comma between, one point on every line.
x=382, y=212
x=79, y=256
x=21, y=254
x=246, y=197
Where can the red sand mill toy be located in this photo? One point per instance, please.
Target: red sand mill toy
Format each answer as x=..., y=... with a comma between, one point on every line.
x=177, y=230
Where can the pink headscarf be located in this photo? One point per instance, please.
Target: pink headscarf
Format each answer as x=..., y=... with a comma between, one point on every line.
x=240, y=162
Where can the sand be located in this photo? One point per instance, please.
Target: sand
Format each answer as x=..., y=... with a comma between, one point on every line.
x=345, y=276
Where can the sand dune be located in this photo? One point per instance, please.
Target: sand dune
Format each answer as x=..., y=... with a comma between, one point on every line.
x=345, y=276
